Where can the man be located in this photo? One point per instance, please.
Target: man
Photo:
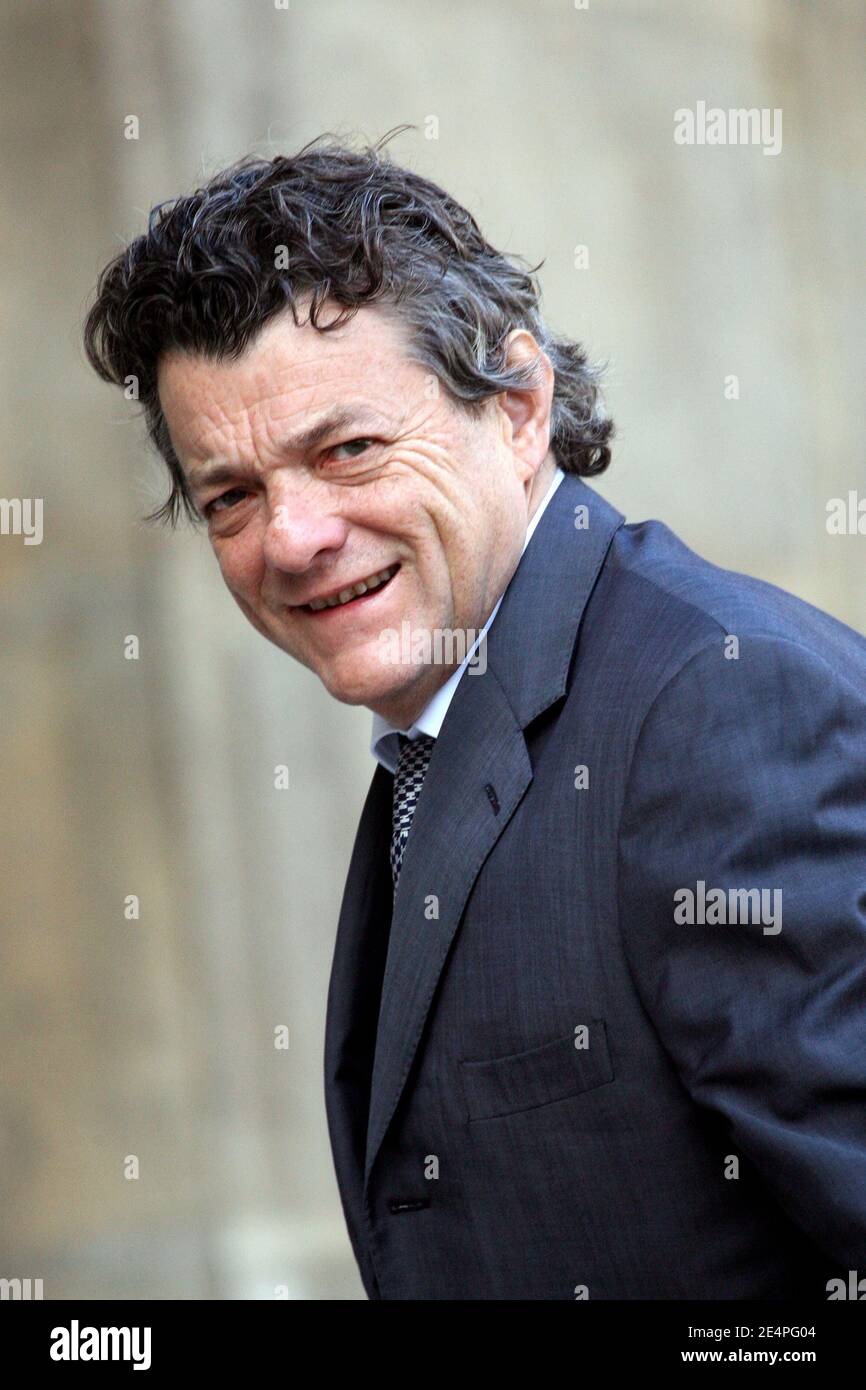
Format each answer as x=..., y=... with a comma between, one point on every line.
x=597, y=1017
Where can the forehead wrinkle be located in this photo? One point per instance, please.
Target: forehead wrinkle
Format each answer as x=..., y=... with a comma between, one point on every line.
x=254, y=405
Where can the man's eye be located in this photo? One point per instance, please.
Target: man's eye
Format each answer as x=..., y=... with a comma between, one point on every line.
x=225, y=500
x=355, y=447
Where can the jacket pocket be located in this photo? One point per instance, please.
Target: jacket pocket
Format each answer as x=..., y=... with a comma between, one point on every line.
x=524, y=1080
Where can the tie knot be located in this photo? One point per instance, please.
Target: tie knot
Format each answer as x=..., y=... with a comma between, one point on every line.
x=410, y=747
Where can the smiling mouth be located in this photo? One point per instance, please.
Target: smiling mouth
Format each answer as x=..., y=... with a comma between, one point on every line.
x=353, y=593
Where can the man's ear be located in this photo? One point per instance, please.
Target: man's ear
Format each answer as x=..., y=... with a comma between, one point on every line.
x=526, y=409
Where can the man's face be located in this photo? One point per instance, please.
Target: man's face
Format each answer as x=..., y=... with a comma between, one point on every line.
x=392, y=480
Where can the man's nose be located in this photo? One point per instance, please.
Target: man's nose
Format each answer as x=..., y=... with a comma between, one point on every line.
x=298, y=530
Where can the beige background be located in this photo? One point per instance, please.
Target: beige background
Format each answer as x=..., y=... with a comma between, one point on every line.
x=155, y=777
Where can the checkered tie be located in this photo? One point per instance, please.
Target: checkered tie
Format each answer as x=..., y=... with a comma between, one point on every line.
x=408, y=778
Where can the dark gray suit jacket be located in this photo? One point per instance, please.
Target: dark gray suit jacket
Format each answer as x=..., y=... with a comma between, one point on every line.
x=542, y=1080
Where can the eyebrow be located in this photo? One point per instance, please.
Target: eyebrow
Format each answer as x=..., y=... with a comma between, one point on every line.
x=338, y=418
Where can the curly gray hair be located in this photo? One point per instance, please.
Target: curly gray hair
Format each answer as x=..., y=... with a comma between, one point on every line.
x=354, y=228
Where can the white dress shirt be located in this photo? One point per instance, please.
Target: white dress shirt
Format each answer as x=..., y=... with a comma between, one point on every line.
x=384, y=743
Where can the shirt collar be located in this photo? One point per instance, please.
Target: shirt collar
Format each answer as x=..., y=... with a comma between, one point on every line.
x=384, y=742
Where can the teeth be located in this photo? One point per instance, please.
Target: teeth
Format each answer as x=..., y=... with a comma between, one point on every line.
x=346, y=595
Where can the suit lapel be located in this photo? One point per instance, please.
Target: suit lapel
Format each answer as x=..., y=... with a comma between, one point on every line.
x=454, y=829
x=479, y=771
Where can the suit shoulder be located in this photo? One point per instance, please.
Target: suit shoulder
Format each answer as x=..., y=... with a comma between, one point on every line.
x=668, y=587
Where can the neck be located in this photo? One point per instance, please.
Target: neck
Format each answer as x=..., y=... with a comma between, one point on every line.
x=539, y=485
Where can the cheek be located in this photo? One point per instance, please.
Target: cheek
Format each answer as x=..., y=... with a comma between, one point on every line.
x=240, y=565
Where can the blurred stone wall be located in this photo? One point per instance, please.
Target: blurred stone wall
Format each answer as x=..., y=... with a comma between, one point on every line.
x=155, y=777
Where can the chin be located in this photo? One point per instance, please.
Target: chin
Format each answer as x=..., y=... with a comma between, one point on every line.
x=370, y=685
